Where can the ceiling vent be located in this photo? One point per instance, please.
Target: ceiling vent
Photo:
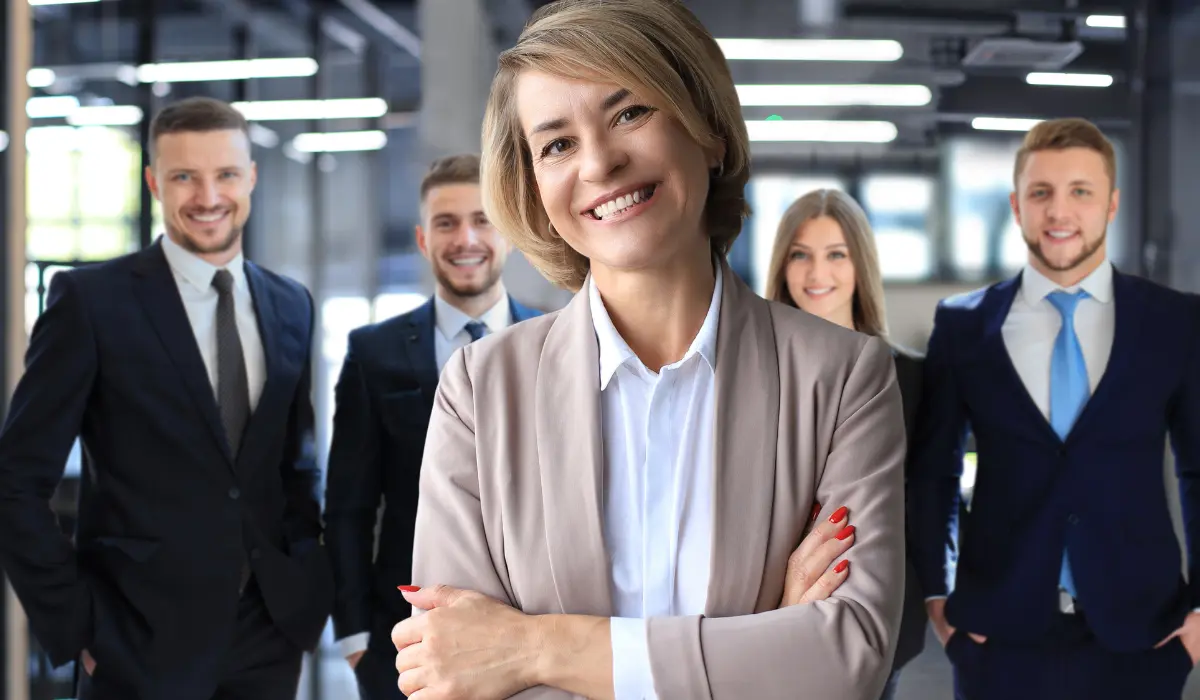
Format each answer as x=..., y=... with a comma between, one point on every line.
x=1023, y=53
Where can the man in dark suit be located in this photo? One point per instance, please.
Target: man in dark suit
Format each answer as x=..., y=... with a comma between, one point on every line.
x=197, y=571
x=1067, y=578
x=384, y=399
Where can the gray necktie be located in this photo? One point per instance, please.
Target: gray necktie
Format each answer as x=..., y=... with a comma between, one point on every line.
x=233, y=389
x=476, y=329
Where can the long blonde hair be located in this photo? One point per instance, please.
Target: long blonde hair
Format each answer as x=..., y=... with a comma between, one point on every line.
x=868, y=308
x=657, y=47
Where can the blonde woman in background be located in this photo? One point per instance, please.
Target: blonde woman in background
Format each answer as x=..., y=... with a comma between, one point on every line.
x=824, y=262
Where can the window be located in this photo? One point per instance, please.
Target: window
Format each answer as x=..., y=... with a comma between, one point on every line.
x=899, y=207
x=83, y=191
x=770, y=197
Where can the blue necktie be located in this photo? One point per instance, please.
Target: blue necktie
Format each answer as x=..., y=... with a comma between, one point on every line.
x=476, y=329
x=1069, y=388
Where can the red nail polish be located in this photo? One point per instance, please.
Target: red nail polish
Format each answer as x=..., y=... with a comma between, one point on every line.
x=838, y=515
x=841, y=566
x=815, y=512
x=409, y=589
x=845, y=533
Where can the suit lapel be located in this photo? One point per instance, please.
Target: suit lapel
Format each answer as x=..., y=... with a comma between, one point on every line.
x=277, y=360
x=421, y=350
x=159, y=296
x=570, y=455
x=746, y=436
x=1126, y=328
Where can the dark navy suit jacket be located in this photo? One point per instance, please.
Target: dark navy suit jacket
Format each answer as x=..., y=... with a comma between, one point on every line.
x=1100, y=492
x=167, y=513
x=384, y=400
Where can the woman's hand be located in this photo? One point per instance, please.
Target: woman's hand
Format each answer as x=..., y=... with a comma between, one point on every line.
x=809, y=576
x=466, y=646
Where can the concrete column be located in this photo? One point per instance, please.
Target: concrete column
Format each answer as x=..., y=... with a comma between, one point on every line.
x=458, y=60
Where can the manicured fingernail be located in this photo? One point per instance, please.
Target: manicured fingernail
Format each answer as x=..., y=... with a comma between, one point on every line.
x=846, y=532
x=409, y=589
x=816, y=512
x=841, y=566
x=838, y=515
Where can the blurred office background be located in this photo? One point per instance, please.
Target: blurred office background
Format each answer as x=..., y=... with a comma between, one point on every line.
x=916, y=111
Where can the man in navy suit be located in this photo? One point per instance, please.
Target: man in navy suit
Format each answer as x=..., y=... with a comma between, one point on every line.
x=384, y=400
x=197, y=571
x=1066, y=578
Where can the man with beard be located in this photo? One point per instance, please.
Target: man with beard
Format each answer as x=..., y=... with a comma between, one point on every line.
x=196, y=571
x=384, y=400
x=1065, y=579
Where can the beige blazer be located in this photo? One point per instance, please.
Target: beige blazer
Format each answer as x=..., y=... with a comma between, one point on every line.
x=512, y=496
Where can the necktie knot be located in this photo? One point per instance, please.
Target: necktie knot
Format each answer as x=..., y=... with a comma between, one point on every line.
x=476, y=329
x=1066, y=302
x=223, y=281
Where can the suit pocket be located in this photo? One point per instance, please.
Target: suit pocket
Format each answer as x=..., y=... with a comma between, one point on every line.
x=404, y=410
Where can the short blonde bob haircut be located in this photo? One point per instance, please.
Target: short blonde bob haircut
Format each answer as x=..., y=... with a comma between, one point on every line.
x=655, y=48
x=868, y=308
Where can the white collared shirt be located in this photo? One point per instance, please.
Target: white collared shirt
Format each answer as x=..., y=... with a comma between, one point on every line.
x=1032, y=326
x=194, y=278
x=450, y=331
x=658, y=460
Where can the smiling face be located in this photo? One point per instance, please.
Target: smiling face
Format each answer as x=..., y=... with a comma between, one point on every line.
x=820, y=273
x=466, y=252
x=621, y=181
x=204, y=180
x=1064, y=203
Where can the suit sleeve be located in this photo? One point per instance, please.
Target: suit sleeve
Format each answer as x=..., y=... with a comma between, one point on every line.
x=352, y=496
x=44, y=418
x=451, y=546
x=299, y=470
x=840, y=648
x=1184, y=426
x=936, y=466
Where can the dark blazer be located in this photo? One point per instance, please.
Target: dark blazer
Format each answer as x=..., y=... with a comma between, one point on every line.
x=1100, y=492
x=911, y=641
x=167, y=515
x=384, y=399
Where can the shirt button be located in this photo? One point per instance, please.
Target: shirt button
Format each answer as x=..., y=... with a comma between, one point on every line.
x=234, y=493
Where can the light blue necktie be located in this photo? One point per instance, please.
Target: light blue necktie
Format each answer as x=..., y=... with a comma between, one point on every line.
x=1069, y=388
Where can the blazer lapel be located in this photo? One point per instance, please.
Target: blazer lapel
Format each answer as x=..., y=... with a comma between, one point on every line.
x=571, y=457
x=159, y=296
x=277, y=356
x=1127, y=322
x=746, y=436
x=422, y=353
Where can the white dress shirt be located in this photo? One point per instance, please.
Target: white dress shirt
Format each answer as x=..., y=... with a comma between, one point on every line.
x=1032, y=326
x=194, y=277
x=449, y=334
x=658, y=459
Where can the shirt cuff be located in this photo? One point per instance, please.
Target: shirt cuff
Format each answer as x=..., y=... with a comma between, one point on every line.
x=935, y=597
x=632, y=677
x=353, y=644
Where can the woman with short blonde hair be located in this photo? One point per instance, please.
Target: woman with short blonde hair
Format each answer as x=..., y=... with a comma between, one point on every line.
x=618, y=499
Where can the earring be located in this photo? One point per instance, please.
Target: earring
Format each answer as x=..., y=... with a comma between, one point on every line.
x=553, y=233
x=718, y=171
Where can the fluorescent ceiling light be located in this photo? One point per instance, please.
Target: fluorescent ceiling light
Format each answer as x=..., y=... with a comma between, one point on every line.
x=56, y=106
x=811, y=49
x=1070, y=79
x=226, y=70
x=1106, y=21
x=106, y=115
x=262, y=136
x=1003, y=124
x=356, y=108
x=827, y=131
x=337, y=141
x=40, y=77
x=834, y=95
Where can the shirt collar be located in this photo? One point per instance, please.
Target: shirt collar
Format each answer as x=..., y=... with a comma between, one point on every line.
x=195, y=270
x=450, y=321
x=615, y=352
x=1099, y=285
